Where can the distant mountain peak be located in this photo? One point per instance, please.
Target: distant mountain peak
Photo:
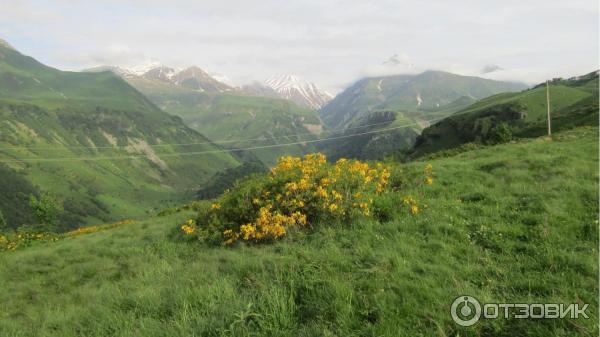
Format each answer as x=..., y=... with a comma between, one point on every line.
x=299, y=90
x=192, y=77
x=160, y=73
x=197, y=79
x=141, y=69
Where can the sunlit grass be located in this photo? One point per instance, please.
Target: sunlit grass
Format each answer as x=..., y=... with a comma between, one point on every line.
x=510, y=223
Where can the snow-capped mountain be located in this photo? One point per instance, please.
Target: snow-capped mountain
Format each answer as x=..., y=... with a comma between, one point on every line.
x=142, y=68
x=198, y=79
x=192, y=78
x=160, y=73
x=289, y=87
x=298, y=90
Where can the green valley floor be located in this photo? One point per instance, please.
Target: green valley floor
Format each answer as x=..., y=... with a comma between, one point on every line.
x=513, y=223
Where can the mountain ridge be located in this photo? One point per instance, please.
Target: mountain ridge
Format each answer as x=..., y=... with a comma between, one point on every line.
x=428, y=91
x=298, y=90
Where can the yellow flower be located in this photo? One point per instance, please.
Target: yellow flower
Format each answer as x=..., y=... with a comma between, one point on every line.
x=333, y=207
x=414, y=209
x=187, y=229
x=291, y=186
x=303, y=184
x=336, y=195
x=248, y=231
x=428, y=180
x=321, y=192
x=215, y=206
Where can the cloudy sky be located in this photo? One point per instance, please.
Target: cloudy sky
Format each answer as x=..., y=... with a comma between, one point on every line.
x=329, y=42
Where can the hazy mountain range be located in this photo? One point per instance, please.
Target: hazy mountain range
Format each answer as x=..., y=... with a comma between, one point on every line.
x=423, y=93
x=289, y=87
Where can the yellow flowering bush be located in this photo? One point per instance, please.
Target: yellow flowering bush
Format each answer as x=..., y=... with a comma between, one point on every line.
x=298, y=192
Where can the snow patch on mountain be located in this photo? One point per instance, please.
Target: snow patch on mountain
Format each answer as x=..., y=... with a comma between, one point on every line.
x=143, y=68
x=298, y=90
x=192, y=77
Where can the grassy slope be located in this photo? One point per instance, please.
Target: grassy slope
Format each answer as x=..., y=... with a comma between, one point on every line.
x=22, y=78
x=572, y=103
x=60, y=112
x=126, y=187
x=441, y=93
x=231, y=116
x=514, y=222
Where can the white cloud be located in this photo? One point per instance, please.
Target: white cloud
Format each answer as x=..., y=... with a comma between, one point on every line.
x=331, y=42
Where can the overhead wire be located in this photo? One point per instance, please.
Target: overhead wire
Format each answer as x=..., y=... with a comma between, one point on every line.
x=217, y=142
x=96, y=158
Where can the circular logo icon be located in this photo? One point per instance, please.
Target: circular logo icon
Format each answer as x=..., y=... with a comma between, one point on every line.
x=465, y=310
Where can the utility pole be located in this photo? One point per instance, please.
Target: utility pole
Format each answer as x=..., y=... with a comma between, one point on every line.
x=548, y=105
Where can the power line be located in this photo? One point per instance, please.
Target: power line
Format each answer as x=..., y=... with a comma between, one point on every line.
x=185, y=144
x=209, y=151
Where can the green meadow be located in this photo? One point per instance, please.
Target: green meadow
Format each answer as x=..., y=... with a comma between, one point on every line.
x=512, y=223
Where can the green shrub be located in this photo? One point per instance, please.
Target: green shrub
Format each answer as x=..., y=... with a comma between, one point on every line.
x=501, y=133
x=47, y=210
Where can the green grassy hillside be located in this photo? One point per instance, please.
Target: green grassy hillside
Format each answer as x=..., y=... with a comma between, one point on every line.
x=412, y=95
x=513, y=223
x=234, y=116
x=70, y=134
x=572, y=102
x=384, y=131
x=22, y=78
